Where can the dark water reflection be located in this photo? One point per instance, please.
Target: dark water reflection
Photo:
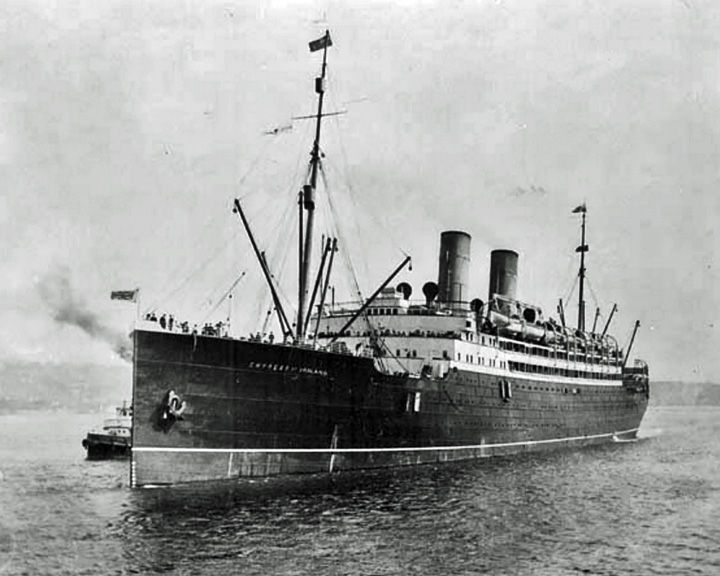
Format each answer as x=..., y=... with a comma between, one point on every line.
x=649, y=507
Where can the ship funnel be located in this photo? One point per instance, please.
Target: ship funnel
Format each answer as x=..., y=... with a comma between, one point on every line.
x=430, y=290
x=453, y=267
x=503, y=274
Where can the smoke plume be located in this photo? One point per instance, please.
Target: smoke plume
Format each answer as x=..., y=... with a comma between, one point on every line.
x=68, y=308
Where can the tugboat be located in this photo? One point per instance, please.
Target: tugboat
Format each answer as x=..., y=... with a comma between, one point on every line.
x=115, y=440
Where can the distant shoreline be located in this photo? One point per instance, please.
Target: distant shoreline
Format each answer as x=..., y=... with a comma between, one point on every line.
x=90, y=388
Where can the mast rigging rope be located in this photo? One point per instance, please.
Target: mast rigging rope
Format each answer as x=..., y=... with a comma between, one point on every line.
x=194, y=273
x=570, y=294
x=224, y=296
x=354, y=197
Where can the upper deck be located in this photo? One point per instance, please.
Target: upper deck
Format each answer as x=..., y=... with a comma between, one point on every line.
x=415, y=335
x=432, y=338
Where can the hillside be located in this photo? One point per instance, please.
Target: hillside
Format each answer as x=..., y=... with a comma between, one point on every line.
x=77, y=387
x=88, y=387
x=684, y=394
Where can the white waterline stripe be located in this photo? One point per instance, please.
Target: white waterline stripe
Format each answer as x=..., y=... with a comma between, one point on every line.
x=367, y=450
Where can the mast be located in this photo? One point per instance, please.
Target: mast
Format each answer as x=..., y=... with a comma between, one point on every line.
x=561, y=312
x=318, y=280
x=597, y=315
x=632, y=340
x=321, y=307
x=582, y=249
x=309, y=189
x=282, y=318
x=300, y=262
x=607, y=324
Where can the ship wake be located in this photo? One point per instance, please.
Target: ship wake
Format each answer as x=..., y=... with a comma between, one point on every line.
x=649, y=433
x=619, y=440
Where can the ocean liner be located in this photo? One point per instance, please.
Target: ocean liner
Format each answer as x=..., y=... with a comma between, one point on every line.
x=383, y=381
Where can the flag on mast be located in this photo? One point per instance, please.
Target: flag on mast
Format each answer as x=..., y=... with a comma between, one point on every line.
x=126, y=295
x=581, y=208
x=320, y=43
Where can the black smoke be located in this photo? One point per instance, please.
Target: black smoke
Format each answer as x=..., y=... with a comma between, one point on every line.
x=68, y=307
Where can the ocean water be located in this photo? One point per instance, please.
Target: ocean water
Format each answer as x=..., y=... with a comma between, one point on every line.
x=645, y=507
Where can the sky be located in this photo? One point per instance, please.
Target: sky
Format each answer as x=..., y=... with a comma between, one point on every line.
x=128, y=127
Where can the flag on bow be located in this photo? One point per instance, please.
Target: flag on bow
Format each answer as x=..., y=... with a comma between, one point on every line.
x=320, y=43
x=126, y=295
x=581, y=208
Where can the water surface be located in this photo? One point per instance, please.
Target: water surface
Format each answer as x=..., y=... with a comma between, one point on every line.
x=645, y=507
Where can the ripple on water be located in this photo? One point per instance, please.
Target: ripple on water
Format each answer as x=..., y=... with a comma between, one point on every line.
x=648, y=507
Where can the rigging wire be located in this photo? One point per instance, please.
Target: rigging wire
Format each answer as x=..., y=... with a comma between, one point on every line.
x=278, y=284
x=291, y=187
x=214, y=292
x=602, y=314
x=224, y=296
x=357, y=209
x=293, y=184
x=393, y=356
x=291, y=230
x=286, y=223
x=627, y=342
x=282, y=223
x=592, y=292
x=277, y=277
x=253, y=164
x=570, y=294
x=351, y=189
x=346, y=256
x=194, y=273
x=276, y=262
x=266, y=322
x=341, y=237
x=210, y=223
x=562, y=279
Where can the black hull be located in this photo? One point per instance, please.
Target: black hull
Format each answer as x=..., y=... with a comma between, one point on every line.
x=106, y=447
x=254, y=409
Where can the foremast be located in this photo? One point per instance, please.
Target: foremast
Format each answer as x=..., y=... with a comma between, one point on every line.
x=308, y=194
x=306, y=203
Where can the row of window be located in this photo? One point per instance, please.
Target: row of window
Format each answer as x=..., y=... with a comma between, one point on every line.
x=494, y=363
x=470, y=359
x=408, y=353
x=505, y=389
x=561, y=354
x=551, y=389
x=382, y=311
x=554, y=371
